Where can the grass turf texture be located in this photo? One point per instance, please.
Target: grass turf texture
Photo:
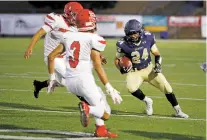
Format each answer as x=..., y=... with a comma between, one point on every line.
x=181, y=60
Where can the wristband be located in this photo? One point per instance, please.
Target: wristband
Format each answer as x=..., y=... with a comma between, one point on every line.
x=52, y=77
x=108, y=86
x=158, y=59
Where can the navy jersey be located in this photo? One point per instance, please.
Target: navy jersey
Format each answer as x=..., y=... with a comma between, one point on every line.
x=138, y=53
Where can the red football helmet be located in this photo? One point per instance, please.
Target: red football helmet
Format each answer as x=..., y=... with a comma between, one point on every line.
x=71, y=10
x=86, y=20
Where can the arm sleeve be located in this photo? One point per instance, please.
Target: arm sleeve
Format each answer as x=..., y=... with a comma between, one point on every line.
x=98, y=43
x=49, y=22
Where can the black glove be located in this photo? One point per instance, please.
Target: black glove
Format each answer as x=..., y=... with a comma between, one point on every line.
x=157, y=68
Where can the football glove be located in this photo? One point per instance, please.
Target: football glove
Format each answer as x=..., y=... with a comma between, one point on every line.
x=124, y=70
x=157, y=68
x=113, y=93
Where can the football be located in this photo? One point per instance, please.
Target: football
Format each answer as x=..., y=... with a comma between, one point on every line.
x=125, y=62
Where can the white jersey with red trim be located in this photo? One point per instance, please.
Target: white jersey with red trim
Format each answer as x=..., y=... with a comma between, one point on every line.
x=78, y=46
x=54, y=24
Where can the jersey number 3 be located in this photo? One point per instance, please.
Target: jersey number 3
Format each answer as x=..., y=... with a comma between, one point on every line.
x=75, y=49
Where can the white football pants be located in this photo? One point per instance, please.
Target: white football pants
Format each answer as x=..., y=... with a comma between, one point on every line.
x=84, y=85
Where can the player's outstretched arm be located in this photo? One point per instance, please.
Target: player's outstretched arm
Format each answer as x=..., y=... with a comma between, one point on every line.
x=95, y=56
x=51, y=58
x=34, y=40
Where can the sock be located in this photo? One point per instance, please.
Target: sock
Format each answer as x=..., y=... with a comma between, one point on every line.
x=99, y=122
x=177, y=108
x=146, y=98
x=96, y=111
x=172, y=99
x=138, y=94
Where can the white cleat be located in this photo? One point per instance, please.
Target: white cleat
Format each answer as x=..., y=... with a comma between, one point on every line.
x=180, y=114
x=149, y=108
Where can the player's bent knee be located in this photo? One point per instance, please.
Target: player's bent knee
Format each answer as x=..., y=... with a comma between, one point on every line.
x=106, y=116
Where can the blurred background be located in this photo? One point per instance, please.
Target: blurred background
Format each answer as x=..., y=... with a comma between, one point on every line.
x=167, y=19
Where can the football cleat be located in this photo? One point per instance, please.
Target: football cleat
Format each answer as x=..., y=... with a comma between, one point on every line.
x=149, y=108
x=84, y=113
x=181, y=114
x=37, y=88
x=101, y=131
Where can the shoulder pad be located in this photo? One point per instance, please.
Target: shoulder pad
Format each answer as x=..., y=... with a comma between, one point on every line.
x=50, y=16
x=98, y=42
x=148, y=35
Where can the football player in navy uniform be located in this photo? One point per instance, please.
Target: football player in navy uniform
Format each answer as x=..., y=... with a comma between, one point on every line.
x=137, y=46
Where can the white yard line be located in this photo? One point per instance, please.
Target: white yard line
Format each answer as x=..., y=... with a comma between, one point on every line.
x=115, y=81
x=66, y=133
x=128, y=115
x=43, y=138
x=125, y=95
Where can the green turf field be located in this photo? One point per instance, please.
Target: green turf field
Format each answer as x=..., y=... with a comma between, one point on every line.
x=59, y=111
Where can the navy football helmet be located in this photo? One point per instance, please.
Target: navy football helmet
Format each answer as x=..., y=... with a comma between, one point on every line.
x=133, y=26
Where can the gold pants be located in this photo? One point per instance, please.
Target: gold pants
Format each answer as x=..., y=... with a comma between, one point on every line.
x=135, y=78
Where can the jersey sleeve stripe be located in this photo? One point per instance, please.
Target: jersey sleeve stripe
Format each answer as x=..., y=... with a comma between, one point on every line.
x=48, y=16
x=102, y=42
x=48, y=25
x=62, y=30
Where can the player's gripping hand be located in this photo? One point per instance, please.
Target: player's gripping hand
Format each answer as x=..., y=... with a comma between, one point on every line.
x=124, y=70
x=115, y=95
x=124, y=64
x=157, y=68
x=51, y=84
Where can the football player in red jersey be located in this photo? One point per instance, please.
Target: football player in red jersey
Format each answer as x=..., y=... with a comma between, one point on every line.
x=82, y=48
x=55, y=23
